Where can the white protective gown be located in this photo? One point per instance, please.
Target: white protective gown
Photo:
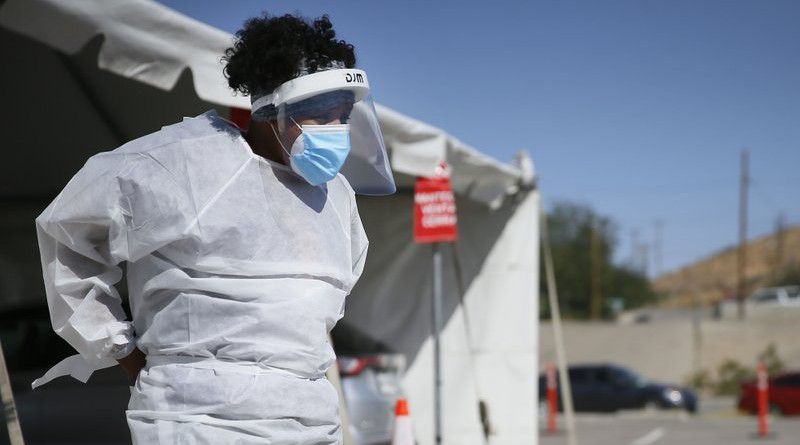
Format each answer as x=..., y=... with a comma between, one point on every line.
x=237, y=270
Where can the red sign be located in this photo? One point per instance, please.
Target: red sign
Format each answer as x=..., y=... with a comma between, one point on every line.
x=434, y=211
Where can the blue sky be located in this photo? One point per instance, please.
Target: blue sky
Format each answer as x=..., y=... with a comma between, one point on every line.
x=638, y=108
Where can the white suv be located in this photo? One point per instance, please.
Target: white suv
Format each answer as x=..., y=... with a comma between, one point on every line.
x=781, y=296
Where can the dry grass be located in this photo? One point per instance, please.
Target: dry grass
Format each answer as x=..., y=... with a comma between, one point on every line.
x=715, y=277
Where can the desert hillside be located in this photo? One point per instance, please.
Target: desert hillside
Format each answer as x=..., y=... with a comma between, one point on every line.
x=715, y=277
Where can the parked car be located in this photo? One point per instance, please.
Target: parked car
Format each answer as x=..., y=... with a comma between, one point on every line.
x=371, y=385
x=781, y=296
x=608, y=388
x=783, y=394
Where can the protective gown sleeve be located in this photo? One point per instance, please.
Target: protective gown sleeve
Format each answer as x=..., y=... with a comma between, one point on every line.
x=358, y=242
x=82, y=239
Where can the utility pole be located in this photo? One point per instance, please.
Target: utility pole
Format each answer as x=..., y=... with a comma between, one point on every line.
x=697, y=333
x=780, y=239
x=658, y=247
x=644, y=253
x=597, y=297
x=741, y=269
x=635, y=261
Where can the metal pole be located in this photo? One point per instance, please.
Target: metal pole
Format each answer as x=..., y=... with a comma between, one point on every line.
x=10, y=410
x=437, y=353
x=555, y=315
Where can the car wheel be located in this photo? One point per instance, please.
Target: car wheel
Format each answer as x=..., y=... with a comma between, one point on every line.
x=775, y=410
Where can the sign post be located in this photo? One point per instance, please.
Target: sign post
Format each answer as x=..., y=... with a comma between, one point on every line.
x=435, y=222
x=437, y=351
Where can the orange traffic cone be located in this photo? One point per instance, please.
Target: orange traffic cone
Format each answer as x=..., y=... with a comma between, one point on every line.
x=403, y=435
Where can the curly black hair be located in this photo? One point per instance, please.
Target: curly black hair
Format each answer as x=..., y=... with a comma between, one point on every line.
x=271, y=50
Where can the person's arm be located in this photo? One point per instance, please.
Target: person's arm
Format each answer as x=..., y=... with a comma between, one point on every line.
x=82, y=240
x=121, y=206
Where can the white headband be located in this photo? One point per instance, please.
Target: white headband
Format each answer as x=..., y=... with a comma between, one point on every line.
x=310, y=85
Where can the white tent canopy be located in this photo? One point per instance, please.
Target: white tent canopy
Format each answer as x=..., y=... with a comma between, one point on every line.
x=156, y=46
x=124, y=68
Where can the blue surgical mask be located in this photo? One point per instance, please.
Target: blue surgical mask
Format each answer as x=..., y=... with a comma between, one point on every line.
x=319, y=152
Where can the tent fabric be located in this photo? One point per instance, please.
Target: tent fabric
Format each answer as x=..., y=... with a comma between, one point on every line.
x=152, y=44
x=489, y=343
x=143, y=40
x=119, y=69
x=418, y=148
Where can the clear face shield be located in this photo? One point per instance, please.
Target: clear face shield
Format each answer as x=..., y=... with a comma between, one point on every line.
x=328, y=119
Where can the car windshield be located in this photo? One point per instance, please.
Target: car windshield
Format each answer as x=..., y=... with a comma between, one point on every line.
x=631, y=378
x=765, y=295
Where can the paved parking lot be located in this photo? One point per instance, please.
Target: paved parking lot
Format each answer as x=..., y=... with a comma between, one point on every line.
x=616, y=430
x=717, y=423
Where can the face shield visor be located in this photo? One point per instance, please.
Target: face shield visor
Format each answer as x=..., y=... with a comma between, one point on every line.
x=328, y=108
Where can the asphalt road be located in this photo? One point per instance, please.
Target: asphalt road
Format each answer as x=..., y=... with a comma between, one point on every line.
x=711, y=427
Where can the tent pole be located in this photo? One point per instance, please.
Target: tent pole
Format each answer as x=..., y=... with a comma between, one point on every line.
x=437, y=353
x=333, y=376
x=10, y=410
x=555, y=316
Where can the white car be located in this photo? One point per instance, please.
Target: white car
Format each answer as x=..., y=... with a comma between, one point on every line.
x=371, y=385
x=781, y=296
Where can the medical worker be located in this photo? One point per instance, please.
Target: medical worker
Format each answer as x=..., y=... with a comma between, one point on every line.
x=239, y=249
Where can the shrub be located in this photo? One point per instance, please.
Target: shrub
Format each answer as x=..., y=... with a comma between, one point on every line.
x=730, y=374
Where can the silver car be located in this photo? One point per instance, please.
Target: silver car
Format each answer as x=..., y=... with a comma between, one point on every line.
x=371, y=385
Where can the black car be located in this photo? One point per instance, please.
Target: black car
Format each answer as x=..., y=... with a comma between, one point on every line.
x=609, y=388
